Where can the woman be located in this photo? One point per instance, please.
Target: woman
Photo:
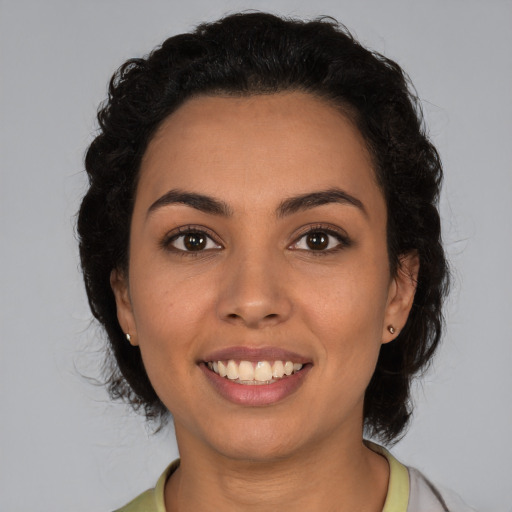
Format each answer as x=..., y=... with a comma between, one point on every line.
x=261, y=242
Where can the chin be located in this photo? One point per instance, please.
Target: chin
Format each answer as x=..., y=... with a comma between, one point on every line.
x=264, y=441
x=258, y=450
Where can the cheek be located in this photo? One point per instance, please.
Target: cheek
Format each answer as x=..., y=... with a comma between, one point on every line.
x=173, y=313
x=165, y=332
x=163, y=300
x=166, y=317
x=346, y=314
x=351, y=300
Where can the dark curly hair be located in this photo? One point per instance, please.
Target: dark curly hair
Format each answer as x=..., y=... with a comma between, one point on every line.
x=257, y=53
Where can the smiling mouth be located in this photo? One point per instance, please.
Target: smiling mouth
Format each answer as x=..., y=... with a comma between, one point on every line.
x=251, y=373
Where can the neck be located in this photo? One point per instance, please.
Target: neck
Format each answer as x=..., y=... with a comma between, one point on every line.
x=341, y=475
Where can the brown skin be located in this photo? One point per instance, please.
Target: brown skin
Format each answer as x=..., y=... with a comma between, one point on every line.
x=258, y=283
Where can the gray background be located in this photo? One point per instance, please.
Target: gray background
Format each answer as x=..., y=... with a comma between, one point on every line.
x=63, y=446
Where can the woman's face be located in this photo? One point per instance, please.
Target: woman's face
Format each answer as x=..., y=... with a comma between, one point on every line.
x=259, y=238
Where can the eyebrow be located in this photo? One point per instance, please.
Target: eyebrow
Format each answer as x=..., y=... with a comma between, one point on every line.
x=213, y=206
x=200, y=202
x=311, y=200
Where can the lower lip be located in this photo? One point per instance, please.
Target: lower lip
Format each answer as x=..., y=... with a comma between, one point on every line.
x=256, y=395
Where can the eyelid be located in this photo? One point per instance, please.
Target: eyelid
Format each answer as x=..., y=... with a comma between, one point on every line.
x=183, y=230
x=328, y=229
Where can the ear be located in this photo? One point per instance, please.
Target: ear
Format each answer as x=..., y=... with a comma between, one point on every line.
x=401, y=295
x=119, y=285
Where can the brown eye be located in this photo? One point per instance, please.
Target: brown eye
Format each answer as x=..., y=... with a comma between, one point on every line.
x=194, y=241
x=317, y=241
x=321, y=241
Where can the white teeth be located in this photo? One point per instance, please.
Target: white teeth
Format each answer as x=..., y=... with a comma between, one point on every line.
x=278, y=369
x=222, y=369
x=263, y=371
x=247, y=372
x=288, y=368
x=232, y=370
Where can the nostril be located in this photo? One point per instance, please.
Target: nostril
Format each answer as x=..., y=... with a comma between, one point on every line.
x=253, y=320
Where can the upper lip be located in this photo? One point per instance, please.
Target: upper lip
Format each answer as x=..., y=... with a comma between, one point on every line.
x=254, y=354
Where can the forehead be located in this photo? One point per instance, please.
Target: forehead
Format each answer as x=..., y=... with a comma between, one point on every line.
x=259, y=147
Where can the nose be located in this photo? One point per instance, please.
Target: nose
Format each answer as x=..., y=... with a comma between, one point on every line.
x=254, y=292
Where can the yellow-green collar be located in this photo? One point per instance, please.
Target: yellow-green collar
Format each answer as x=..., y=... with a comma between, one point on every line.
x=396, y=501
x=397, y=498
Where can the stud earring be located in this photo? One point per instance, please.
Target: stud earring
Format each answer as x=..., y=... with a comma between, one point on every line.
x=128, y=337
x=391, y=329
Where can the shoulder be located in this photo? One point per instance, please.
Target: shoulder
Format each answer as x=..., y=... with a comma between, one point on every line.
x=409, y=490
x=152, y=500
x=425, y=496
x=145, y=502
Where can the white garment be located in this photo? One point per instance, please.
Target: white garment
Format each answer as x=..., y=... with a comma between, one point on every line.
x=425, y=497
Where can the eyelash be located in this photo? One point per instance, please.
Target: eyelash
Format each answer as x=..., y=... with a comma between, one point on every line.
x=188, y=230
x=343, y=240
